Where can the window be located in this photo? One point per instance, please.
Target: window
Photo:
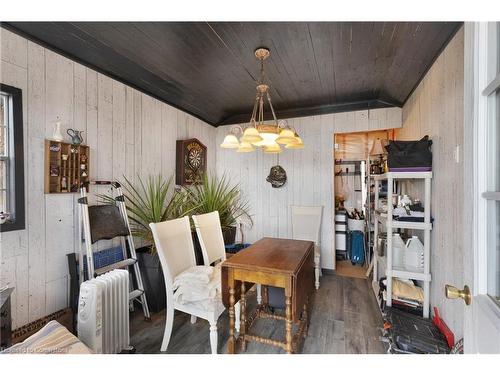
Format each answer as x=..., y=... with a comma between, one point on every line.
x=11, y=159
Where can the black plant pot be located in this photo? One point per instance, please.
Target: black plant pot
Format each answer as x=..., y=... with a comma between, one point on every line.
x=197, y=250
x=229, y=235
x=152, y=277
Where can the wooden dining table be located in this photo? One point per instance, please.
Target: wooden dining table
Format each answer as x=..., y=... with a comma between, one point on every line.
x=277, y=262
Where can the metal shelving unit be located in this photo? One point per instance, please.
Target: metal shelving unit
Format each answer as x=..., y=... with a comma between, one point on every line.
x=390, y=224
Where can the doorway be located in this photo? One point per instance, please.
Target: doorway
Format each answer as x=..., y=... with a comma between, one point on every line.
x=357, y=157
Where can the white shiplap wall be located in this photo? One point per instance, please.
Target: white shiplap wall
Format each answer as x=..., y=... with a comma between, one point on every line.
x=309, y=172
x=436, y=108
x=128, y=132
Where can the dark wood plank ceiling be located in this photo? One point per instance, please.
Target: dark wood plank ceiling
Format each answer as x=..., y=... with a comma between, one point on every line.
x=209, y=69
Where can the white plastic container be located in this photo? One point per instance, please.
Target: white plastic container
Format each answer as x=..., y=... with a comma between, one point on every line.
x=340, y=241
x=340, y=227
x=414, y=255
x=340, y=217
x=354, y=224
x=398, y=251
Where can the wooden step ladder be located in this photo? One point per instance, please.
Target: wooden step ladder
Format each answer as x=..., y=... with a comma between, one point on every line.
x=117, y=225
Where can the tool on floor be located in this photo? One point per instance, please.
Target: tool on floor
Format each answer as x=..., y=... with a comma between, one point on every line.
x=443, y=327
x=106, y=222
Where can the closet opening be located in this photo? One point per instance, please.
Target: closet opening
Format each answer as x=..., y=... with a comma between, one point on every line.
x=358, y=156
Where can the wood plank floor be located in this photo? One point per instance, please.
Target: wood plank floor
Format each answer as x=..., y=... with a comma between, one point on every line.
x=344, y=320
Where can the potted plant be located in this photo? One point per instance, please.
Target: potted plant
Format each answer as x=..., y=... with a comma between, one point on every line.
x=216, y=194
x=150, y=201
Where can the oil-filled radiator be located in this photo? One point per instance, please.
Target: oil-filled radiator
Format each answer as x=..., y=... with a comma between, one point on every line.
x=103, y=312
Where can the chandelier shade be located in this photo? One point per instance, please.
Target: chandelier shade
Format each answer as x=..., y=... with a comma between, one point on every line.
x=286, y=137
x=273, y=148
x=245, y=147
x=251, y=135
x=230, y=141
x=297, y=145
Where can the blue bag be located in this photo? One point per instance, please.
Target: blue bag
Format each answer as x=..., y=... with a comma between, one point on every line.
x=357, y=247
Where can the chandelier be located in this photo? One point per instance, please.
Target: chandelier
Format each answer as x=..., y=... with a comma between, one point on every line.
x=268, y=136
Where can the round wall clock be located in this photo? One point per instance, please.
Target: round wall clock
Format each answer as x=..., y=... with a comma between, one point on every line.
x=191, y=161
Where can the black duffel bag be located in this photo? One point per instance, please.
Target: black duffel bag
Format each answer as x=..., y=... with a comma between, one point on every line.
x=410, y=155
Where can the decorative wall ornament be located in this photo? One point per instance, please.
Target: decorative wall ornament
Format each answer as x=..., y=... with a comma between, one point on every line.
x=76, y=136
x=57, y=135
x=277, y=176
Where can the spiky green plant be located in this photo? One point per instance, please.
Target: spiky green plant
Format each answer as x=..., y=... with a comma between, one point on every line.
x=214, y=194
x=150, y=201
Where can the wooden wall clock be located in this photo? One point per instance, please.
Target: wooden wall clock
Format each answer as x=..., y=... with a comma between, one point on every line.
x=191, y=161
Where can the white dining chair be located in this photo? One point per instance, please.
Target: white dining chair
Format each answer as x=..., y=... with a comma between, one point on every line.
x=174, y=244
x=306, y=225
x=209, y=232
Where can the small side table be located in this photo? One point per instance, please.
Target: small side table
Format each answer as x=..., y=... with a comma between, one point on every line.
x=5, y=319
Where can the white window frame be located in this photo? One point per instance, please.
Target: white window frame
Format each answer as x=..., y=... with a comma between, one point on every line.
x=484, y=89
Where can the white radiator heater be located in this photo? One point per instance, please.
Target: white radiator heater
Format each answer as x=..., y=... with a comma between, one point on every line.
x=103, y=312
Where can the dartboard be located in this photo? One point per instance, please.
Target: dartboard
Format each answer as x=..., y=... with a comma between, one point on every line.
x=195, y=158
x=191, y=161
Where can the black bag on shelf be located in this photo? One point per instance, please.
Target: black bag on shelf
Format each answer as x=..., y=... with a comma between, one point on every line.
x=409, y=155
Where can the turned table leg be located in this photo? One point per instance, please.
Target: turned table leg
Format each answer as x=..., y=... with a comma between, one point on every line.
x=231, y=342
x=288, y=304
x=243, y=318
x=305, y=317
x=265, y=297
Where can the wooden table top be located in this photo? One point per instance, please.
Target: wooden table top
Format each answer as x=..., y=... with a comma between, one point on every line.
x=276, y=255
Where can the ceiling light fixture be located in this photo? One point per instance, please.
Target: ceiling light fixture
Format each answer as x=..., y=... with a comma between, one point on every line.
x=269, y=136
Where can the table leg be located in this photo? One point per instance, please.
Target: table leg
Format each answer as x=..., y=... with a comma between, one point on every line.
x=243, y=319
x=306, y=319
x=265, y=296
x=288, y=304
x=231, y=342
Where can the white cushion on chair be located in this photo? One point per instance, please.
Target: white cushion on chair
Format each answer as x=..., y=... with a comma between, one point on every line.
x=195, y=274
x=208, y=305
x=195, y=291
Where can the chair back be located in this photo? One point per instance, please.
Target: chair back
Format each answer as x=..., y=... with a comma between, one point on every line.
x=306, y=223
x=209, y=233
x=174, y=244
